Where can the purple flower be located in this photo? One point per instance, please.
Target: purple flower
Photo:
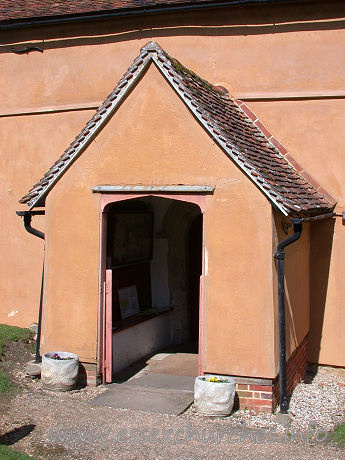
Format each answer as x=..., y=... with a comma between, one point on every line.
x=56, y=356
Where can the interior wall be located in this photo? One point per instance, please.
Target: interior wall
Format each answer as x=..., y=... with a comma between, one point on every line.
x=136, y=342
x=129, y=251
x=176, y=226
x=169, y=267
x=159, y=263
x=170, y=284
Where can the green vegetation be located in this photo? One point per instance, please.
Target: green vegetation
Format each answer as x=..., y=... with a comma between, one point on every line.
x=6, y=453
x=12, y=334
x=6, y=385
x=181, y=69
x=338, y=434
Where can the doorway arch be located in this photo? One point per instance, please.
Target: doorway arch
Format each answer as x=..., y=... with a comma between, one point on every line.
x=168, y=285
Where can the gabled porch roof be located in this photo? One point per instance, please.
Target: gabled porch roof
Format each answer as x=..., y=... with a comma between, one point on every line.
x=229, y=123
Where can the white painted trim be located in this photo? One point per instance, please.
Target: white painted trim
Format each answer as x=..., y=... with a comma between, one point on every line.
x=153, y=188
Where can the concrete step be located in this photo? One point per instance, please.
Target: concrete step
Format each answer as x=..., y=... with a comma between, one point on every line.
x=177, y=363
x=164, y=394
x=169, y=381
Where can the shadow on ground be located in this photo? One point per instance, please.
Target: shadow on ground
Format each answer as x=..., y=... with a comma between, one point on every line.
x=16, y=434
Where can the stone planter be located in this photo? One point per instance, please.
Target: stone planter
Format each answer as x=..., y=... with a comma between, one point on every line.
x=59, y=374
x=214, y=399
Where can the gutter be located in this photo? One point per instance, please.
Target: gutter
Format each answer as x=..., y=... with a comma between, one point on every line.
x=129, y=12
x=27, y=215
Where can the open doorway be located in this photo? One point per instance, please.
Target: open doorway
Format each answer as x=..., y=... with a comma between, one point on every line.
x=154, y=255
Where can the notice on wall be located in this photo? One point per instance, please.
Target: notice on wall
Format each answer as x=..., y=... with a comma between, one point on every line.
x=128, y=298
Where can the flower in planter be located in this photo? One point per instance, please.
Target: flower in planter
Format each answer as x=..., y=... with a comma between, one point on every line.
x=215, y=379
x=57, y=356
x=211, y=399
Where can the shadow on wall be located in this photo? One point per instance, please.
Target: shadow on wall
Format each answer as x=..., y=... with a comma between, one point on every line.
x=297, y=291
x=253, y=20
x=307, y=265
x=321, y=240
x=297, y=278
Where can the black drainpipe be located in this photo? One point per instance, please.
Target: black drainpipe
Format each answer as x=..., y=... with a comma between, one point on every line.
x=27, y=215
x=280, y=256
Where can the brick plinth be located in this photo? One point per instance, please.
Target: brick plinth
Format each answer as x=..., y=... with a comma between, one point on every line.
x=255, y=397
x=295, y=369
x=88, y=374
x=264, y=397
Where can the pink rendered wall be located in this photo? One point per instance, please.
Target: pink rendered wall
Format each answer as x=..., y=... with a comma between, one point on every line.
x=271, y=53
x=236, y=213
x=312, y=131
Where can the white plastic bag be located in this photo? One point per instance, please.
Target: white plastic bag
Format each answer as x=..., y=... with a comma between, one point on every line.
x=214, y=398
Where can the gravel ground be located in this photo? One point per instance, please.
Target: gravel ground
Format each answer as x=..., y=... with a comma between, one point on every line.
x=65, y=426
x=319, y=399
